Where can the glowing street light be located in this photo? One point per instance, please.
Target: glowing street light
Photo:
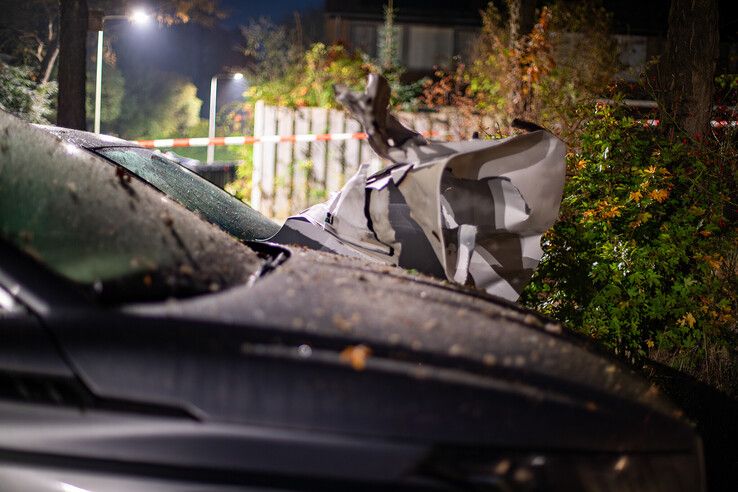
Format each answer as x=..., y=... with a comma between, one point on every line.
x=139, y=17
x=211, y=116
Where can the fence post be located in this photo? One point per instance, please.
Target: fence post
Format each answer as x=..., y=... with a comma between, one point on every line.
x=257, y=156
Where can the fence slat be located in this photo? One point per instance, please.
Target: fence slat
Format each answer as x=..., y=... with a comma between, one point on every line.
x=334, y=174
x=269, y=163
x=301, y=161
x=283, y=173
x=256, y=156
x=319, y=156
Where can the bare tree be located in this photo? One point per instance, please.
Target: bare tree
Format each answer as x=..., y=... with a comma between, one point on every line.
x=29, y=33
x=685, y=75
x=522, y=18
x=73, y=18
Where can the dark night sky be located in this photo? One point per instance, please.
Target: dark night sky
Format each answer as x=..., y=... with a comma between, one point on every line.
x=194, y=51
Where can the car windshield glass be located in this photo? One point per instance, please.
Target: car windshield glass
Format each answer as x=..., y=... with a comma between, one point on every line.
x=89, y=221
x=194, y=192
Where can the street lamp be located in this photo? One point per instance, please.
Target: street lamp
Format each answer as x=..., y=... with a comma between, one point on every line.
x=136, y=17
x=211, y=116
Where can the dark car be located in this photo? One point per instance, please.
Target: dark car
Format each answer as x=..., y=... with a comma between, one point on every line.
x=143, y=348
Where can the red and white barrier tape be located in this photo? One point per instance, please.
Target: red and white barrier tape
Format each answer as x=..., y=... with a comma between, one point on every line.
x=308, y=137
x=250, y=140
x=247, y=140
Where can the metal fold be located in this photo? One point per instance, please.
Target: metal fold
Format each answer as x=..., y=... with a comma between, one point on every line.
x=472, y=212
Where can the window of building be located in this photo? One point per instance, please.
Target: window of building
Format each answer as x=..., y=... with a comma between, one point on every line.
x=429, y=46
x=464, y=40
x=363, y=37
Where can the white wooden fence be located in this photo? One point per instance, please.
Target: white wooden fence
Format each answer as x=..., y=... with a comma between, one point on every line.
x=290, y=176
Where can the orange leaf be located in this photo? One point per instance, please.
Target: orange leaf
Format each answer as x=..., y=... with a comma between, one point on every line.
x=659, y=195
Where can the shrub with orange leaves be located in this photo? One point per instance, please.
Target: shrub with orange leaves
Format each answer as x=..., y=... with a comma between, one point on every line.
x=544, y=76
x=645, y=256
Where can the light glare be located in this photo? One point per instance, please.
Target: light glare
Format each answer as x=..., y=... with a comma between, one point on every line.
x=140, y=17
x=237, y=76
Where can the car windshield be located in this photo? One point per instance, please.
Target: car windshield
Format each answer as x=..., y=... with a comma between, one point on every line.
x=192, y=191
x=87, y=220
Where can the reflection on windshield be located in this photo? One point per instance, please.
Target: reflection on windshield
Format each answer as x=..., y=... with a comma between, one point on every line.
x=194, y=192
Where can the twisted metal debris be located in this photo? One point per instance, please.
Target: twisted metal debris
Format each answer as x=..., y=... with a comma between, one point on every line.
x=472, y=212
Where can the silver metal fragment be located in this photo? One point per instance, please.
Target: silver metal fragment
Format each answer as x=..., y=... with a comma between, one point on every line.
x=470, y=211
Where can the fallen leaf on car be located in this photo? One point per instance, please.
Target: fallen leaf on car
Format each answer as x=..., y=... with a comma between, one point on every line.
x=356, y=355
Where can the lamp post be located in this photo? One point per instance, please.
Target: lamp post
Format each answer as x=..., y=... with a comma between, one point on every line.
x=211, y=115
x=137, y=17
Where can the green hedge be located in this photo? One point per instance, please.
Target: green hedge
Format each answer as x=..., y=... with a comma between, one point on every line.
x=644, y=256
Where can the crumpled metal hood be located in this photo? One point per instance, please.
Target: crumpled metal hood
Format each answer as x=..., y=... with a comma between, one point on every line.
x=472, y=212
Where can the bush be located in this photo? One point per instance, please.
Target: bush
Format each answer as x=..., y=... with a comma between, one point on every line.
x=543, y=77
x=22, y=96
x=643, y=258
x=310, y=82
x=112, y=91
x=158, y=104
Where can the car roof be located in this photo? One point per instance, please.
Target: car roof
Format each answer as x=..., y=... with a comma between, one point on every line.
x=86, y=140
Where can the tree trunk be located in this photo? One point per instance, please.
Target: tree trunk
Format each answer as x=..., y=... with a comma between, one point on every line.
x=685, y=75
x=72, y=60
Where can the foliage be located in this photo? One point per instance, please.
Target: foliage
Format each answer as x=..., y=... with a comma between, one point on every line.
x=158, y=105
x=388, y=45
x=404, y=97
x=644, y=257
x=269, y=49
x=22, y=96
x=577, y=76
x=169, y=12
x=541, y=77
x=204, y=12
x=726, y=96
x=283, y=73
x=29, y=35
x=310, y=81
x=501, y=76
x=111, y=96
x=241, y=187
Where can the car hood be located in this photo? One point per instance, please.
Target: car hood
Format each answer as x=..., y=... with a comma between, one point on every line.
x=329, y=343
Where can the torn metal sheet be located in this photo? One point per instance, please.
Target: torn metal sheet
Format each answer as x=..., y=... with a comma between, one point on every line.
x=472, y=212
